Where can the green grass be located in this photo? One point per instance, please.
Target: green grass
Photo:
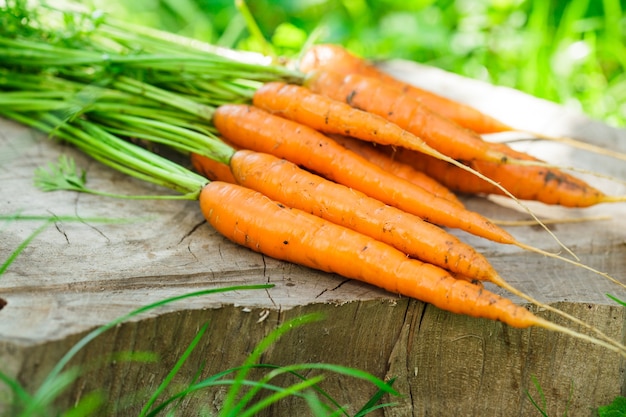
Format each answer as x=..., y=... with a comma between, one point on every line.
x=571, y=52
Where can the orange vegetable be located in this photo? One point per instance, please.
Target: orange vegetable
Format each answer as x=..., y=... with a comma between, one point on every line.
x=255, y=129
x=284, y=181
x=393, y=166
x=547, y=185
x=255, y=221
x=331, y=105
x=337, y=59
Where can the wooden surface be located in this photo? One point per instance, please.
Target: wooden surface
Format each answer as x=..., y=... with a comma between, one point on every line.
x=76, y=276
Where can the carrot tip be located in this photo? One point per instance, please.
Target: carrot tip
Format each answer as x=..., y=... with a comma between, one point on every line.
x=581, y=145
x=613, y=198
x=612, y=345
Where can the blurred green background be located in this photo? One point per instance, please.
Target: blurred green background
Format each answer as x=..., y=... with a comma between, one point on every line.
x=570, y=52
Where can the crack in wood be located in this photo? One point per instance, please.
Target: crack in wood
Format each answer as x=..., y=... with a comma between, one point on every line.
x=332, y=289
x=192, y=231
x=56, y=226
x=136, y=283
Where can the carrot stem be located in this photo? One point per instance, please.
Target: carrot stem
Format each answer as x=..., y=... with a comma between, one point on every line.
x=163, y=96
x=118, y=154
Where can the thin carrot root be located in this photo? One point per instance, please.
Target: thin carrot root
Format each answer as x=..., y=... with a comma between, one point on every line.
x=523, y=223
x=543, y=164
x=505, y=285
x=571, y=261
x=580, y=145
x=613, y=199
x=548, y=325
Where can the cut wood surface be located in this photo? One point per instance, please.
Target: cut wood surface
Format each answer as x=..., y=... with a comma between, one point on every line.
x=77, y=275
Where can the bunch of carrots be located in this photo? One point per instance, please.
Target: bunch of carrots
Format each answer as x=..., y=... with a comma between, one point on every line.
x=322, y=165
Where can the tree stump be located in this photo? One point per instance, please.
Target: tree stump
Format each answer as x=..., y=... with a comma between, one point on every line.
x=78, y=275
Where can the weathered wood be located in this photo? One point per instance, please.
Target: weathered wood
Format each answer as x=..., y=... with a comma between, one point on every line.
x=76, y=276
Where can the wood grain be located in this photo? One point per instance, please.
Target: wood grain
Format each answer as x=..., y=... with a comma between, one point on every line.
x=76, y=276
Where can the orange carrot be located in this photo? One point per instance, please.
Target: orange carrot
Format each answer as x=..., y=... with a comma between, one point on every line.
x=253, y=220
x=547, y=185
x=337, y=59
x=393, y=166
x=254, y=129
x=327, y=103
x=374, y=96
x=212, y=169
x=353, y=84
x=284, y=181
x=334, y=117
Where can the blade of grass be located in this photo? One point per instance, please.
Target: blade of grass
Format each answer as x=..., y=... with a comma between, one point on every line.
x=271, y=399
x=49, y=390
x=229, y=407
x=5, y=265
x=350, y=372
x=617, y=300
x=68, y=218
x=174, y=371
x=209, y=383
x=22, y=396
x=373, y=403
x=56, y=370
x=541, y=408
x=266, y=47
x=87, y=405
